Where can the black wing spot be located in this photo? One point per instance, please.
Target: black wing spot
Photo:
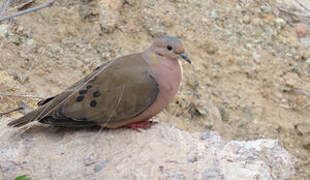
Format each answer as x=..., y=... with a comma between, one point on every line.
x=93, y=103
x=83, y=91
x=79, y=98
x=96, y=94
x=89, y=86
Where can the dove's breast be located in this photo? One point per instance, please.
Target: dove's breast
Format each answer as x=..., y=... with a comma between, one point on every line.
x=168, y=75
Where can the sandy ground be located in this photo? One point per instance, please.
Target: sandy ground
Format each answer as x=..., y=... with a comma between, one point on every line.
x=250, y=72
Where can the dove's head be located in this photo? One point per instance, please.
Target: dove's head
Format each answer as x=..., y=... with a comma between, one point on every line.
x=170, y=48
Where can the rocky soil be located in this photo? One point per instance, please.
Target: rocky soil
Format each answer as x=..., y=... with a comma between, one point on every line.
x=251, y=61
x=162, y=152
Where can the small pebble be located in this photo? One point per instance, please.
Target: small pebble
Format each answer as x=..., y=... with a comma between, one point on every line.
x=206, y=135
x=266, y=9
x=301, y=30
x=256, y=57
x=177, y=176
x=192, y=159
x=100, y=165
x=246, y=19
x=212, y=174
x=4, y=30
x=280, y=22
x=91, y=159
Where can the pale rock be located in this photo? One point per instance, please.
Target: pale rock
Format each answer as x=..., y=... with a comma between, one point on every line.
x=161, y=152
x=4, y=30
x=256, y=57
x=280, y=23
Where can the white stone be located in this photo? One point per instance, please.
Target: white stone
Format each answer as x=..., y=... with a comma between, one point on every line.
x=256, y=57
x=161, y=152
x=4, y=30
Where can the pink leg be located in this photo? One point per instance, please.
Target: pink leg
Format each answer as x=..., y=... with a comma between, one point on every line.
x=141, y=124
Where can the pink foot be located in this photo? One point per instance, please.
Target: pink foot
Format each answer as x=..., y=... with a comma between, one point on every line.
x=142, y=124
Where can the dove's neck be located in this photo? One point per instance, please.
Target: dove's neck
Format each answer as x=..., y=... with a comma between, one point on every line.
x=166, y=72
x=167, y=66
x=150, y=57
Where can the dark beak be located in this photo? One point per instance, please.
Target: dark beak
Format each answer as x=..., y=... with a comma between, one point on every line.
x=185, y=58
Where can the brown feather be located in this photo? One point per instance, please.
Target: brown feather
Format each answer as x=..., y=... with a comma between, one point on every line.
x=115, y=92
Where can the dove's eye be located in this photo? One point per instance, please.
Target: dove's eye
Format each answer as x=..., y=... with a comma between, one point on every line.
x=169, y=48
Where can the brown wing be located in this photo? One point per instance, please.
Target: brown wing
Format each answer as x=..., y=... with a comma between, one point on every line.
x=123, y=90
x=114, y=92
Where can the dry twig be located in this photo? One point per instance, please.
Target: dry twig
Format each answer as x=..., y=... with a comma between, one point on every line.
x=24, y=96
x=26, y=11
x=293, y=13
x=290, y=12
x=302, y=5
x=20, y=6
x=11, y=111
x=4, y=6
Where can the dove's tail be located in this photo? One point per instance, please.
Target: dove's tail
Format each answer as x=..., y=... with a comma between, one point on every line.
x=25, y=119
